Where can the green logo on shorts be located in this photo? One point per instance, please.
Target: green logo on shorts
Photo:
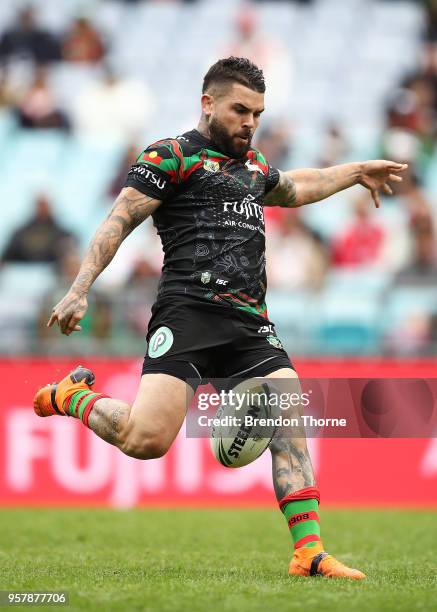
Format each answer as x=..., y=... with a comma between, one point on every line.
x=274, y=341
x=160, y=342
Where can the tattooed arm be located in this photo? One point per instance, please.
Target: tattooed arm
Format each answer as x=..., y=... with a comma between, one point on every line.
x=299, y=187
x=130, y=209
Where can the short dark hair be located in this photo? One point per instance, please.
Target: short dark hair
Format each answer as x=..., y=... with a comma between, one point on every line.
x=235, y=70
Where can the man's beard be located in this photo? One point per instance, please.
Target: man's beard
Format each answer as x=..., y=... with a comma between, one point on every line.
x=228, y=145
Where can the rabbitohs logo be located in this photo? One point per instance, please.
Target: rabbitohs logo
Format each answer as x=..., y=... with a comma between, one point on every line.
x=160, y=342
x=253, y=167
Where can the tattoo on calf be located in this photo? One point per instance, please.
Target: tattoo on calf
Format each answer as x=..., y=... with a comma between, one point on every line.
x=106, y=421
x=292, y=468
x=116, y=415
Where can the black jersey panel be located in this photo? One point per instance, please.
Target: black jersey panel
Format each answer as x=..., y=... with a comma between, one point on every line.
x=212, y=221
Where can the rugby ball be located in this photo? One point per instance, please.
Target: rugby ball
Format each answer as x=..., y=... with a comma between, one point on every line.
x=240, y=432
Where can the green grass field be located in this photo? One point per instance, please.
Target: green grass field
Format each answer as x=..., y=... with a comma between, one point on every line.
x=208, y=560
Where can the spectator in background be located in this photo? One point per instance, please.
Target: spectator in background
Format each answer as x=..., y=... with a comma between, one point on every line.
x=411, y=111
x=410, y=194
x=129, y=158
x=266, y=52
x=26, y=40
x=83, y=43
x=114, y=109
x=413, y=336
x=38, y=107
x=41, y=239
x=334, y=147
x=362, y=242
x=296, y=256
x=159, y=1
x=139, y=294
x=304, y=2
x=427, y=69
x=412, y=108
x=142, y=272
x=409, y=197
x=422, y=269
x=416, y=332
x=431, y=18
x=410, y=190
x=8, y=95
x=96, y=328
x=275, y=143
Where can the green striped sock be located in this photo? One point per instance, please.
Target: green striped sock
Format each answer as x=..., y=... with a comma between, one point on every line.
x=73, y=401
x=303, y=521
x=79, y=401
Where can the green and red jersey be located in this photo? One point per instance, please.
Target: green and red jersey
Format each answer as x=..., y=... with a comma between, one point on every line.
x=211, y=220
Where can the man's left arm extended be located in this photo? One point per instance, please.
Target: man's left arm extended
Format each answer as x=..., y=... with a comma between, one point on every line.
x=299, y=187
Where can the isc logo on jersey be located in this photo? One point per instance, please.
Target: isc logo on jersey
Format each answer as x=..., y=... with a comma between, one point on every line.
x=160, y=342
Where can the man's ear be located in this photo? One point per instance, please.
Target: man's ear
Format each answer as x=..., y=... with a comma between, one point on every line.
x=207, y=102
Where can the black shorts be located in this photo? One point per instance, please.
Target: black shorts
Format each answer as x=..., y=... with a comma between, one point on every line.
x=193, y=339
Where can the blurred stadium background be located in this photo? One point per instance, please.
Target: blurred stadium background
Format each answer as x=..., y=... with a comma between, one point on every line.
x=84, y=86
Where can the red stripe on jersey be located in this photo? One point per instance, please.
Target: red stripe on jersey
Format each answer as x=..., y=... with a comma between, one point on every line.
x=192, y=169
x=178, y=152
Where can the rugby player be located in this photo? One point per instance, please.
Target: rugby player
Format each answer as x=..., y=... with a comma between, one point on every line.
x=205, y=191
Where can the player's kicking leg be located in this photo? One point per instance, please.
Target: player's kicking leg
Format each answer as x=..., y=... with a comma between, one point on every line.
x=144, y=430
x=298, y=498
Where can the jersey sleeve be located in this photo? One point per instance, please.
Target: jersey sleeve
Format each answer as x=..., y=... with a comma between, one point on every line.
x=272, y=178
x=271, y=174
x=157, y=171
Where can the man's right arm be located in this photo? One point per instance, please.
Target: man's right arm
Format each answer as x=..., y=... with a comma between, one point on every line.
x=130, y=209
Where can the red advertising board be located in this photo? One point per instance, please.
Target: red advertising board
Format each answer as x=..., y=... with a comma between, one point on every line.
x=57, y=461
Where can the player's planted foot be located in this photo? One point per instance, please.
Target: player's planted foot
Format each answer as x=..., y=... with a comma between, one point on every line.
x=315, y=561
x=54, y=398
x=301, y=509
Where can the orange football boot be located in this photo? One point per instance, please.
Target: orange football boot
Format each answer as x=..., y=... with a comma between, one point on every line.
x=314, y=561
x=50, y=399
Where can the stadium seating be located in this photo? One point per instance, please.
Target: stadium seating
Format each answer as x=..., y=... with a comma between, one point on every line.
x=292, y=314
x=405, y=302
x=343, y=68
x=347, y=322
x=22, y=288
